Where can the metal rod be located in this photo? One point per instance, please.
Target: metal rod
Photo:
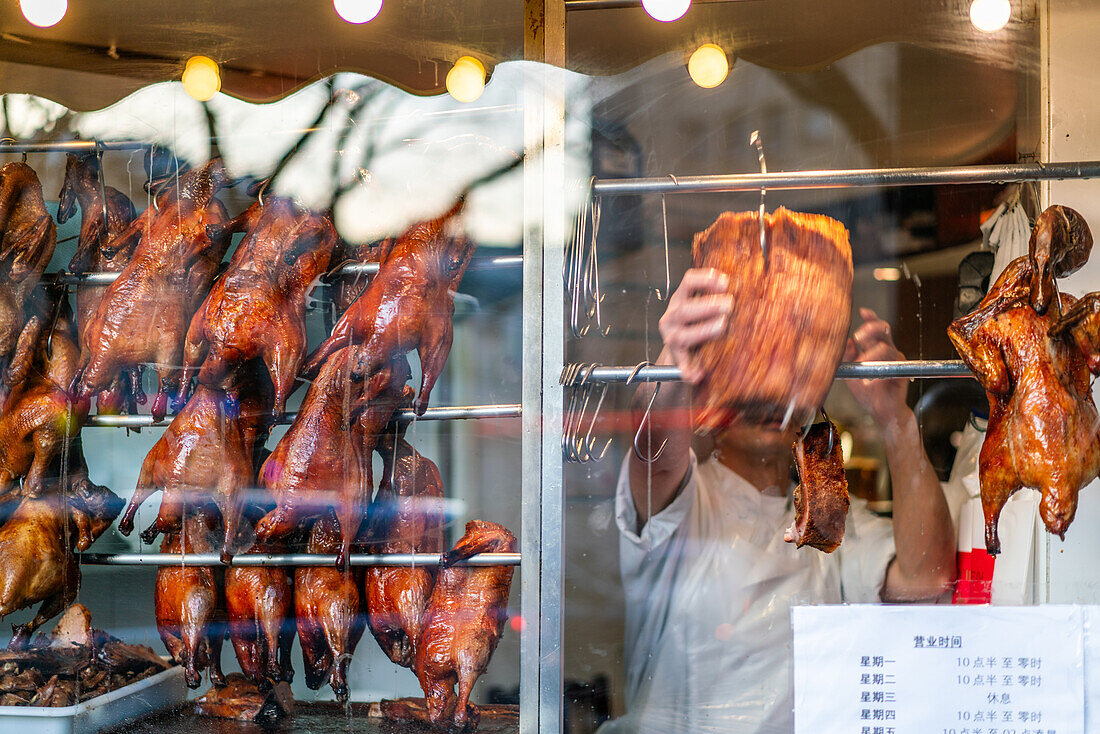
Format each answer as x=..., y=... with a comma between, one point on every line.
x=846, y=371
x=483, y=263
x=1012, y=172
x=291, y=559
x=571, y=5
x=458, y=412
x=71, y=146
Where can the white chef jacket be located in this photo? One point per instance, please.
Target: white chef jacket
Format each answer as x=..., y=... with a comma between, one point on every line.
x=709, y=584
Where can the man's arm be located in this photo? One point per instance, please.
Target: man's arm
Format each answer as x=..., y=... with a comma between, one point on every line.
x=696, y=313
x=924, y=566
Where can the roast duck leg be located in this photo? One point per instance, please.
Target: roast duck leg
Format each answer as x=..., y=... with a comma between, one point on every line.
x=463, y=623
x=776, y=358
x=257, y=308
x=259, y=604
x=405, y=517
x=1042, y=430
x=188, y=601
x=408, y=305
x=144, y=314
x=821, y=497
x=329, y=609
x=104, y=213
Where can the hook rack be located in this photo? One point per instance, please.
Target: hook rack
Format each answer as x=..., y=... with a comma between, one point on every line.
x=578, y=449
x=292, y=559
x=911, y=369
x=581, y=271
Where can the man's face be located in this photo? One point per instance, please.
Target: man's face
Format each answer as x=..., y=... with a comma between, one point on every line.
x=758, y=439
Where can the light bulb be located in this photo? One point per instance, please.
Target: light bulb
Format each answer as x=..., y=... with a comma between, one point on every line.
x=466, y=79
x=708, y=66
x=990, y=16
x=201, y=78
x=357, y=11
x=44, y=13
x=666, y=11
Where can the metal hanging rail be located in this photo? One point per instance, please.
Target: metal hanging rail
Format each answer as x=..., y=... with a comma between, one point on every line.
x=70, y=146
x=291, y=559
x=457, y=412
x=916, y=369
x=866, y=177
x=571, y=5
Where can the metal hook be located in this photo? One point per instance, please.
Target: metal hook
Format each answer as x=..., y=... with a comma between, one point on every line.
x=13, y=141
x=831, y=427
x=754, y=139
x=578, y=448
x=646, y=417
x=56, y=316
x=102, y=190
x=263, y=190
x=668, y=278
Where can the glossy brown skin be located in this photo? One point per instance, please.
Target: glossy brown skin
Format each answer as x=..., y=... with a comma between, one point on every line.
x=821, y=497
x=188, y=602
x=204, y=459
x=36, y=550
x=775, y=358
x=407, y=305
x=1081, y=324
x=259, y=603
x=463, y=623
x=144, y=314
x=104, y=213
x=330, y=612
x=323, y=461
x=1042, y=430
x=407, y=515
x=257, y=308
x=350, y=287
x=26, y=246
x=1060, y=244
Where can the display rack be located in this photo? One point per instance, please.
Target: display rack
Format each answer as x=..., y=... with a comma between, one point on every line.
x=292, y=559
x=913, y=369
x=457, y=412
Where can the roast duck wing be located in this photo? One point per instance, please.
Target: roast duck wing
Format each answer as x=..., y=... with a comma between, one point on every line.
x=330, y=612
x=821, y=496
x=27, y=239
x=105, y=212
x=205, y=459
x=1042, y=430
x=144, y=314
x=259, y=604
x=188, y=601
x=405, y=517
x=324, y=459
x=463, y=623
x=408, y=305
x=257, y=308
x=37, y=542
x=776, y=358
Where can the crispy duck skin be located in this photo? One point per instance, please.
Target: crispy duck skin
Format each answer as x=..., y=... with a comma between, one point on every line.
x=821, y=497
x=323, y=461
x=204, y=459
x=330, y=612
x=407, y=517
x=1042, y=430
x=257, y=308
x=259, y=604
x=104, y=213
x=463, y=623
x=348, y=288
x=776, y=358
x=407, y=305
x=188, y=602
x=36, y=550
x=144, y=314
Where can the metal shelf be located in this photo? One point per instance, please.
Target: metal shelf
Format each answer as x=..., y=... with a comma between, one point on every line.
x=457, y=412
x=291, y=559
x=71, y=146
x=917, y=369
x=867, y=177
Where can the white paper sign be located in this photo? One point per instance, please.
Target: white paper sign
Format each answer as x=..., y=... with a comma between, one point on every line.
x=938, y=670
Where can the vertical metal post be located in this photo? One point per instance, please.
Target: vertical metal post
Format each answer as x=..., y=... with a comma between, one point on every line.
x=543, y=357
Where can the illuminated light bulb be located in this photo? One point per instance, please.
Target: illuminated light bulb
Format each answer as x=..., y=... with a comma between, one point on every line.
x=708, y=66
x=201, y=78
x=357, y=11
x=887, y=274
x=666, y=11
x=466, y=79
x=990, y=16
x=44, y=13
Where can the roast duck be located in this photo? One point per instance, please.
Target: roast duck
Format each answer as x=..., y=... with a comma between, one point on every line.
x=406, y=517
x=821, y=496
x=776, y=358
x=104, y=213
x=27, y=239
x=259, y=606
x=1030, y=348
x=144, y=314
x=463, y=624
x=257, y=308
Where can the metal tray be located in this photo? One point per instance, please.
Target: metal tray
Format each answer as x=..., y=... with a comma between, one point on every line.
x=164, y=689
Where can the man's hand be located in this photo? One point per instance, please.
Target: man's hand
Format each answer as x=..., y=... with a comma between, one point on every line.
x=883, y=399
x=696, y=313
